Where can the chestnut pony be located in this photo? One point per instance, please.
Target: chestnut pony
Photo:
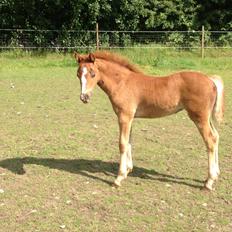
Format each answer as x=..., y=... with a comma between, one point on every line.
x=134, y=94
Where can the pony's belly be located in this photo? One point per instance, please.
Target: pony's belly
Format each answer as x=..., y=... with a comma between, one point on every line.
x=156, y=112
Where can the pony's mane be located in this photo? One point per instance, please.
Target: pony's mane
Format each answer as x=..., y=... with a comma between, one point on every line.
x=108, y=56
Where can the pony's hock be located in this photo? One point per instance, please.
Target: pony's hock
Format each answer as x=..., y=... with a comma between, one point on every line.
x=134, y=94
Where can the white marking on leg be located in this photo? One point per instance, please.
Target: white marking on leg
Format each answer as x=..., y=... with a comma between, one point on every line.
x=123, y=164
x=216, y=157
x=83, y=80
x=213, y=171
x=122, y=169
x=129, y=159
x=216, y=148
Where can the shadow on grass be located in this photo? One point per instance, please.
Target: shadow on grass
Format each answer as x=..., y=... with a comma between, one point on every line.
x=89, y=168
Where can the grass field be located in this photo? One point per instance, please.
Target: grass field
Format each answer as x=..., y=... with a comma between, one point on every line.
x=58, y=156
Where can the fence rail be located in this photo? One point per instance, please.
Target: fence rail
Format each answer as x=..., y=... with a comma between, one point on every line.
x=100, y=39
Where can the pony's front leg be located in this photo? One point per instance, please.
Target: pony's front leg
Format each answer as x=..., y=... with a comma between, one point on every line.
x=124, y=148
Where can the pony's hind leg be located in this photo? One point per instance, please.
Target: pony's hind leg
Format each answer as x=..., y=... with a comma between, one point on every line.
x=216, y=149
x=211, y=140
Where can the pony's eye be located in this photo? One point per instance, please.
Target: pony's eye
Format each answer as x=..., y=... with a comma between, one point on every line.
x=92, y=73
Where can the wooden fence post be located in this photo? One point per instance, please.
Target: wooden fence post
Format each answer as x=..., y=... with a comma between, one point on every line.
x=97, y=37
x=202, y=42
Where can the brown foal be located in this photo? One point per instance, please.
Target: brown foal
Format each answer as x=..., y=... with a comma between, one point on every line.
x=136, y=95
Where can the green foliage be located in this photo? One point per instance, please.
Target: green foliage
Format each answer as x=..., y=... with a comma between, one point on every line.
x=61, y=16
x=214, y=14
x=170, y=15
x=116, y=15
x=225, y=40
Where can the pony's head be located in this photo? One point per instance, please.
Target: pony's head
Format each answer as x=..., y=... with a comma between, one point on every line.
x=88, y=75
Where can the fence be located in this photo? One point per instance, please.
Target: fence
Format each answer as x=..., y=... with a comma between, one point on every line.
x=99, y=39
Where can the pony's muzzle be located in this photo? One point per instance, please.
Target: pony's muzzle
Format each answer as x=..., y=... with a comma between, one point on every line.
x=84, y=97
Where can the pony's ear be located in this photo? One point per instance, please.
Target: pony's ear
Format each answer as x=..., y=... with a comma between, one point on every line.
x=91, y=57
x=78, y=57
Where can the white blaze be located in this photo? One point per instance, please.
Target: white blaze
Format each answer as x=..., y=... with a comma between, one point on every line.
x=83, y=80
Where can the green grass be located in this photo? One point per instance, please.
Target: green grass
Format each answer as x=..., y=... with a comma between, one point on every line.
x=58, y=157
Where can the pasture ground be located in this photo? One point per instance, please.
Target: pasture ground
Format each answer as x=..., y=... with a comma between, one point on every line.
x=58, y=157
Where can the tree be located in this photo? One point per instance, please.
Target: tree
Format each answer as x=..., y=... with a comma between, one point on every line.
x=116, y=14
x=214, y=14
x=169, y=15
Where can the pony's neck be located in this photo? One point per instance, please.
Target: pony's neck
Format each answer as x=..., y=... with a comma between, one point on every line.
x=112, y=75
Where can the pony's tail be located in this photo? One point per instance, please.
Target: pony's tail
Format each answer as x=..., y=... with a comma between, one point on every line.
x=218, y=110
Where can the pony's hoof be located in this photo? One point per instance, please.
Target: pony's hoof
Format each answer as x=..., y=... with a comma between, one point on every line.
x=129, y=170
x=116, y=184
x=209, y=185
x=206, y=189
